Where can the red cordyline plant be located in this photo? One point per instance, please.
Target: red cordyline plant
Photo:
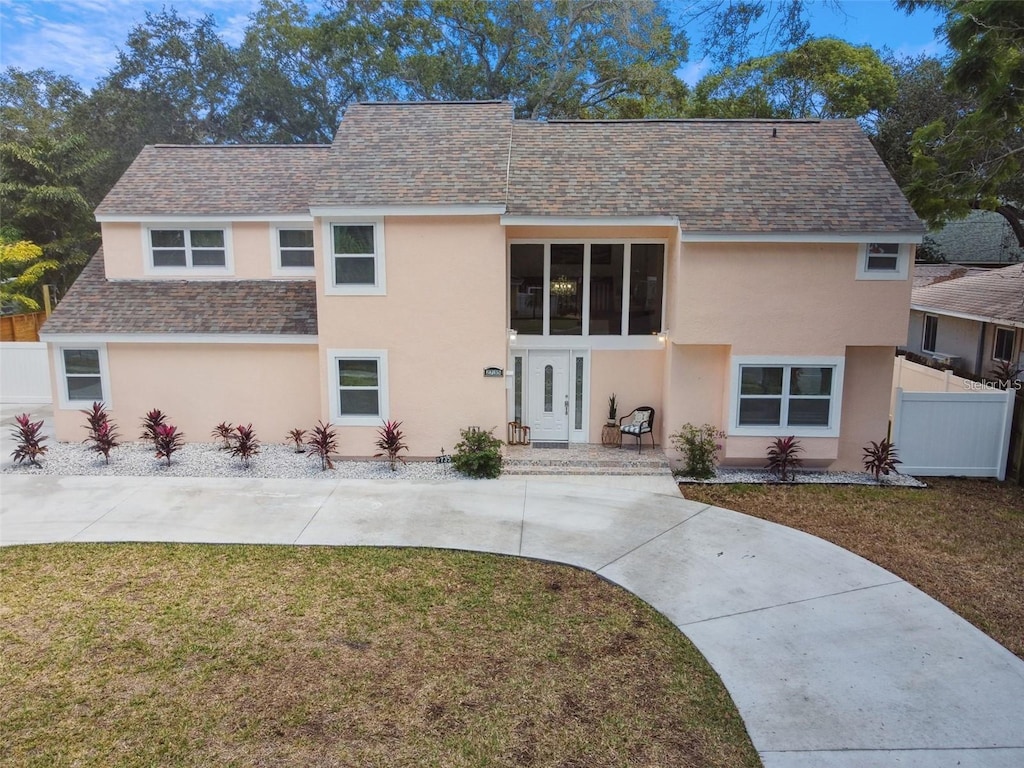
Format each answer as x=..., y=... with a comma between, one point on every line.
x=881, y=459
x=30, y=442
x=244, y=444
x=322, y=442
x=225, y=432
x=782, y=457
x=168, y=441
x=296, y=437
x=390, y=441
x=103, y=435
x=95, y=416
x=150, y=422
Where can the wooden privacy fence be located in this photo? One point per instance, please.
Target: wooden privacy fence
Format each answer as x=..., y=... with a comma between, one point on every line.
x=21, y=327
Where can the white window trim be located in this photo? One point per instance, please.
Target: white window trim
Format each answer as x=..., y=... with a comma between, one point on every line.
x=66, y=403
x=381, y=356
x=623, y=340
x=188, y=271
x=835, y=405
x=379, y=288
x=902, y=263
x=275, y=251
x=1013, y=343
x=924, y=332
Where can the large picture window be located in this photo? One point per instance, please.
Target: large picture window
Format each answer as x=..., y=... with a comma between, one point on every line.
x=188, y=248
x=587, y=289
x=358, y=386
x=773, y=396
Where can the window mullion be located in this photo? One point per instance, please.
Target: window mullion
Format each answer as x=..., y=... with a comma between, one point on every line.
x=626, y=256
x=546, y=329
x=585, y=306
x=784, y=409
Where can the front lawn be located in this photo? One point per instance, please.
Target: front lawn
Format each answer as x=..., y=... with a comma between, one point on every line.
x=175, y=655
x=961, y=541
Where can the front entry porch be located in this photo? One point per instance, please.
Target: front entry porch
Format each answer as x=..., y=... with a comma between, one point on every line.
x=583, y=459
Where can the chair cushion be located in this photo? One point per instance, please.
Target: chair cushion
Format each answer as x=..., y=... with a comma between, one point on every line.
x=636, y=429
x=640, y=417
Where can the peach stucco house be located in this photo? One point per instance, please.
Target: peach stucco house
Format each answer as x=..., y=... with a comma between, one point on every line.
x=753, y=274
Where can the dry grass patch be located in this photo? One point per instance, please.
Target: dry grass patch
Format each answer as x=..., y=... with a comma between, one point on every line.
x=961, y=541
x=200, y=655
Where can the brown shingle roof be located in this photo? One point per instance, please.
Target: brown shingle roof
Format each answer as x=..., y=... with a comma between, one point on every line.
x=997, y=295
x=715, y=175
x=210, y=180
x=95, y=305
x=430, y=153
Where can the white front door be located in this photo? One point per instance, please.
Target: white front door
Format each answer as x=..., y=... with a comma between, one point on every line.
x=549, y=396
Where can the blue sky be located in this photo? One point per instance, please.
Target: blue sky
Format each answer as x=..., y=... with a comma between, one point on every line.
x=80, y=38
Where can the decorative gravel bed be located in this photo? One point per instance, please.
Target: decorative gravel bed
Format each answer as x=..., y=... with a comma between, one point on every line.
x=208, y=460
x=761, y=477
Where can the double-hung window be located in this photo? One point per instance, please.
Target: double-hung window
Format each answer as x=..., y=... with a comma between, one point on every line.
x=1005, y=341
x=355, y=263
x=294, y=249
x=198, y=248
x=359, y=393
x=82, y=375
x=772, y=397
x=883, y=261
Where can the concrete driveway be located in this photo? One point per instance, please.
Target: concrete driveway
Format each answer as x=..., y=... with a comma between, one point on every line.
x=832, y=661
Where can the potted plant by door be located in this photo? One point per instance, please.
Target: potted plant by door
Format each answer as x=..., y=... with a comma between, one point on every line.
x=613, y=410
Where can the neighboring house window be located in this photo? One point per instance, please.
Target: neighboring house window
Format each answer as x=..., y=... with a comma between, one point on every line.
x=188, y=248
x=931, y=331
x=295, y=249
x=778, y=396
x=883, y=261
x=1005, y=343
x=83, y=375
x=358, y=386
x=586, y=289
x=356, y=263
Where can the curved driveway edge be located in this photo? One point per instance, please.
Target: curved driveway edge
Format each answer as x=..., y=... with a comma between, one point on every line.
x=831, y=660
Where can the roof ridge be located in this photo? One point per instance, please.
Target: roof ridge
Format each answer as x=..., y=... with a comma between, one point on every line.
x=400, y=103
x=726, y=120
x=239, y=146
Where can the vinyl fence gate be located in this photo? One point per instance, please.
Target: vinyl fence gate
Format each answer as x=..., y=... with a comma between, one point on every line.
x=953, y=433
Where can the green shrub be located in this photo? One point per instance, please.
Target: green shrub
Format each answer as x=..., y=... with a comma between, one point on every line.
x=478, y=454
x=700, y=447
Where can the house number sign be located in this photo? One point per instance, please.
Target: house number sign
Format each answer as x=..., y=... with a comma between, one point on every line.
x=491, y=373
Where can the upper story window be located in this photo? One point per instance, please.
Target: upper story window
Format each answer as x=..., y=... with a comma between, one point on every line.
x=187, y=250
x=293, y=251
x=782, y=395
x=356, y=263
x=586, y=289
x=883, y=261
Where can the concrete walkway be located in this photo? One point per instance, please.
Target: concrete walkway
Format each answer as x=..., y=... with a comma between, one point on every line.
x=832, y=661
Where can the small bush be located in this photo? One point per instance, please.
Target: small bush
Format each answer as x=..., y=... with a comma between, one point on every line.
x=168, y=441
x=322, y=442
x=478, y=454
x=390, y=440
x=150, y=422
x=103, y=435
x=782, y=457
x=880, y=459
x=243, y=443
x=224, y=432
x=29, y=440
x=700, y=447
x=95, y=416
x=296, y=436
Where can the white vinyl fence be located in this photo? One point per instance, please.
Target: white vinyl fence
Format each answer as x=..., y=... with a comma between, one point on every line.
x=960, y=427
x=24, y=372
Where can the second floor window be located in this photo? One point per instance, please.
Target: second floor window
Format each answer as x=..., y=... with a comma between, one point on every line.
x=295, y=248
x=187, y=248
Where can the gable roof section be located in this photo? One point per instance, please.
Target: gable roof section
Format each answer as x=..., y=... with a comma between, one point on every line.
x=428, y=153
x=97, y=306
x=929, y=274
x=208, y=180
x=996, y=296
x=716, y=176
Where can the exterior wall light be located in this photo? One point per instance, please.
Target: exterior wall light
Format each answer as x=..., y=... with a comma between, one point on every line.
x=663, y=335
x=512, y=335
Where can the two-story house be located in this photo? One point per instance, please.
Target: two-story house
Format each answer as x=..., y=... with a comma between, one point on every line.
x=750, y=274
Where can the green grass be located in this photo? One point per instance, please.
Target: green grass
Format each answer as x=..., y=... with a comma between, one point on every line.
x=174, y=655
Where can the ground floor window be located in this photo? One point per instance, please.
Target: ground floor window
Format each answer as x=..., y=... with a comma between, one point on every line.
x=83, y=375
x=1005, y=342
x=358, y=386
x=931, y=331
x=777, y=396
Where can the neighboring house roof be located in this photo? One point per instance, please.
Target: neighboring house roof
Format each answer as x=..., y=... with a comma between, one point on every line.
x=208, y=180
x=95, y=305
x=929, y=274
x=983, y=237
x=715, y=176
x=747, y=176
x=995, y=296
x=427, y=153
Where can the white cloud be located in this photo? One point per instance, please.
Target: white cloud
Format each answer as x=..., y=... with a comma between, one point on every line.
x=693, y=71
